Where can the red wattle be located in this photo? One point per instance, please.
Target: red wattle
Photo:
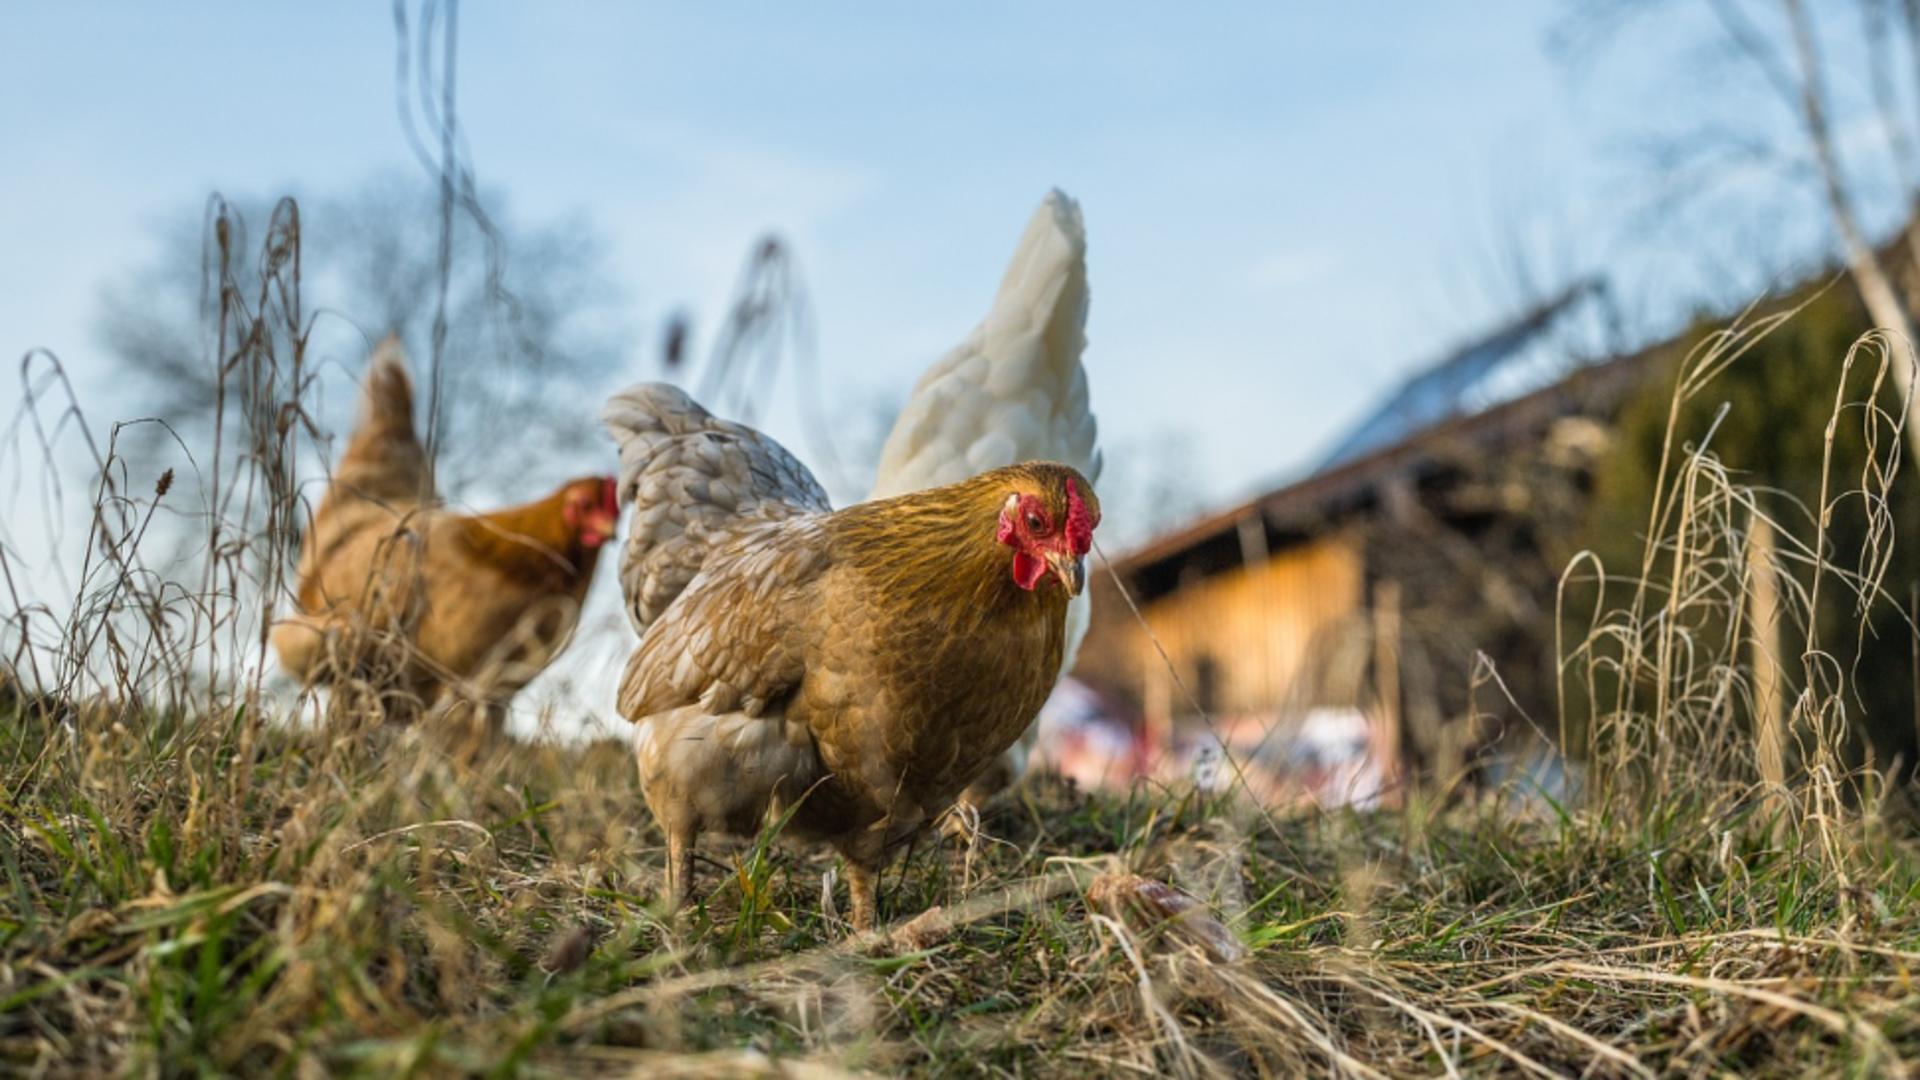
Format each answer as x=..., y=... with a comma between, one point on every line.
x=1027, y=569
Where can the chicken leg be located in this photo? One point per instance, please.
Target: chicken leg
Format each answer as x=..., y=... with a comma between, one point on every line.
x=863, y=884
x=679, y=869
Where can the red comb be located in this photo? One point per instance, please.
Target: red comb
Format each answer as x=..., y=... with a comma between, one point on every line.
x=1080, y=521
x=609, y=496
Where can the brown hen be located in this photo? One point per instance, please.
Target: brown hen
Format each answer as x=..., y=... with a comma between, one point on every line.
x=866, y=664
x=422, y=604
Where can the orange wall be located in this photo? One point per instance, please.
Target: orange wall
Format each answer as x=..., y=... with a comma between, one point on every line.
x=1264, y=628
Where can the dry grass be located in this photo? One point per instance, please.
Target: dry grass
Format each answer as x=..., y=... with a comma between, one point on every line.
x=193, y=885
x=213, y=894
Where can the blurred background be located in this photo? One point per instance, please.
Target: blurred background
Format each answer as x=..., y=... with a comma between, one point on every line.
x=1384, y=332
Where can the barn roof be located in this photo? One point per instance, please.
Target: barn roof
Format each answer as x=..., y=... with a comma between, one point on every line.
x=1353, y=474
x=1544, y=343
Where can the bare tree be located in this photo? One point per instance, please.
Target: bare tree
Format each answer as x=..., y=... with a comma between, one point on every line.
x=1842, y=128
x=535, y=325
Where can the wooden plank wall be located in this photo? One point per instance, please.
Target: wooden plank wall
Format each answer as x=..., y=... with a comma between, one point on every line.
x=1259, y=626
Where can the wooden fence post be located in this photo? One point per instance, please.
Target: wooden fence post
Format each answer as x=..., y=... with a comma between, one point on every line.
x=1769, y=690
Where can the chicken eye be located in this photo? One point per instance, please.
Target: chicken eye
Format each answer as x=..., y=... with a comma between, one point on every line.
x=1034, y=522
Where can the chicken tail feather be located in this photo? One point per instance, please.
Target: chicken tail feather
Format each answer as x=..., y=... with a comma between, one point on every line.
x=1014, y=390
x=384, y=459
x=686, y=476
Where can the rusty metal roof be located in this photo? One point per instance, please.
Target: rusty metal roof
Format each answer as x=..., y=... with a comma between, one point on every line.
x=1326, y=494
x=1566, y=332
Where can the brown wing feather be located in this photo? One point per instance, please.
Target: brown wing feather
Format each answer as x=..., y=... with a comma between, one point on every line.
x=733, y=640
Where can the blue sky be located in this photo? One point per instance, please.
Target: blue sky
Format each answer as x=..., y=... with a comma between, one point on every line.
x=1287, y=206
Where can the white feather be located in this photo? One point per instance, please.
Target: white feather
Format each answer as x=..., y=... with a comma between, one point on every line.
x=1014, y=390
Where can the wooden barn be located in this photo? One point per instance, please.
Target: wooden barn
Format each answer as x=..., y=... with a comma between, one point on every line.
x=1371, y=585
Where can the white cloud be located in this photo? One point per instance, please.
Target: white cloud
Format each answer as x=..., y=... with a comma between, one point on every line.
x=1279, y=270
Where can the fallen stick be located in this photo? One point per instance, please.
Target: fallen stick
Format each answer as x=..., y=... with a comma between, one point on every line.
x=928, y=926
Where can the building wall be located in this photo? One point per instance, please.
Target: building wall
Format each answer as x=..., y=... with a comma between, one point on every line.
x=1247, y=640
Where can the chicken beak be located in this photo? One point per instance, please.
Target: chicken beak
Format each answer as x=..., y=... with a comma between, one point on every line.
x=1070, y=569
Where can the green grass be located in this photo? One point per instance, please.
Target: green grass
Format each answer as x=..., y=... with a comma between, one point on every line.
x=216, y=897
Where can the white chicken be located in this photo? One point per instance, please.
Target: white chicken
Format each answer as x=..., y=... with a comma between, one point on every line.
x=1013, y=391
